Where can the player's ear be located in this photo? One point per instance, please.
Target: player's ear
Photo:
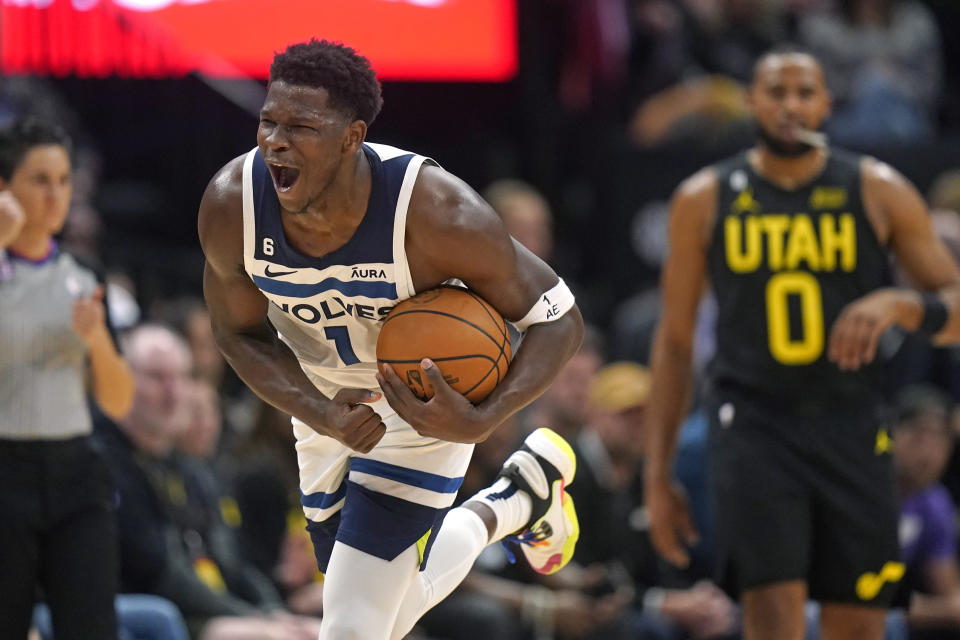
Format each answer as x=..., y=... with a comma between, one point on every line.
x=354, y=136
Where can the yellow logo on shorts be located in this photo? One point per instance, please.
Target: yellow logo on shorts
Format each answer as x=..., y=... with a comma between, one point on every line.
x=870, y=584
x=884, y=444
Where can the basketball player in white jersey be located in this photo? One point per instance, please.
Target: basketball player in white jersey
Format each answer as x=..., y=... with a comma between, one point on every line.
x=310, y=239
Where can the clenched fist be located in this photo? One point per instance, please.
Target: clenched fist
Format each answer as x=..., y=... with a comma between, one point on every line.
x=89, y=319
x=352, y=422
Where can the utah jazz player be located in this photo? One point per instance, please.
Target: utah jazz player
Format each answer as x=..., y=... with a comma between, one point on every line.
x=794, y=237
x=314, y=235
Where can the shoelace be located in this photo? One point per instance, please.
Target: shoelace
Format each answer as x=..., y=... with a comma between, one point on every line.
x=528, y=537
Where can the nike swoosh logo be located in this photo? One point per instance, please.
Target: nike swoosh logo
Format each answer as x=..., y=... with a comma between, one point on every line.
x=276, y=274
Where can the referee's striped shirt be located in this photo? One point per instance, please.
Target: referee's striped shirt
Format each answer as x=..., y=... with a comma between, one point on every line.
x=43, y=364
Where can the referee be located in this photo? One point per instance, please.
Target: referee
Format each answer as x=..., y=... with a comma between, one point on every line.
x=57, y=525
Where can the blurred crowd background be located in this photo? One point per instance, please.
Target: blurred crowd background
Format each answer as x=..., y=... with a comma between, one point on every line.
x=614, y=103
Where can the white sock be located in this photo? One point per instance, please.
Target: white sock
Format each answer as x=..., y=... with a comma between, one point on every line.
x=509, y=504
x=461, y=538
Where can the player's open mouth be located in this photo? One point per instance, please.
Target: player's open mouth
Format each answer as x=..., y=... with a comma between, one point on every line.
x=284, y=177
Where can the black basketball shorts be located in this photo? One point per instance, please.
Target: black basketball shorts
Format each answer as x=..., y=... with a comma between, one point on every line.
x=804, y=499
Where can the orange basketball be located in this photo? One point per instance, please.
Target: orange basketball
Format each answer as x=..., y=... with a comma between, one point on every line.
x=458, y=330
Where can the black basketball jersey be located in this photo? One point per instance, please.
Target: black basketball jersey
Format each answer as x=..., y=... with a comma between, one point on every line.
x=783, y=264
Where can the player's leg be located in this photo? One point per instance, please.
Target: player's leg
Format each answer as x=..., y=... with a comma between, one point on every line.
x=851, y=622
x=362, y=593
x=855, y=567
x=764, y=535
x=774, y=611
x=529, y=495
x=377, y=541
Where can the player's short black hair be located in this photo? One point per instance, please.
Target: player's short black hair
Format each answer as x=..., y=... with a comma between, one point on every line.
x=346, y=75
x=21, y=135
x=782, y=49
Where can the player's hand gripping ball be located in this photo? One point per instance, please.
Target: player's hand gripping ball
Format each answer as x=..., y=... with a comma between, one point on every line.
x=457, y=329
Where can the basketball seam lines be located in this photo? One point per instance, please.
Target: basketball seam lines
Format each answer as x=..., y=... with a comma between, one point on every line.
x=449, y=315
x=483, y=305
x=503, y=333
x=463, y=357
x=500, y=346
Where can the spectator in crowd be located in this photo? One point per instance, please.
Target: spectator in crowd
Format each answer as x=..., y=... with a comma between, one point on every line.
x=507, y=601
x=264, y=478
x=55, y=490
x=883, y=63
x=928, y=599
x=596, y=595
x=923, y=442
x=199, y=437
x=944, y=199
x=528, y=217
x=140, y=616
x=614, y=523
x=189, y=317
x=172, y=540
x=272, y=534
x=525, y=213
x=728, y=36
x=563, y=406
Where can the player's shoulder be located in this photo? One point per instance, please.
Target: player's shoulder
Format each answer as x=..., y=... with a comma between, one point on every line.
x=442, y=201
x=448, y=224
x=698, y=190
x=874, y=169
x=226, y=186
x=848, y=157
x=220, y=219
x=704, y=180
x=388, y=152
x=881, y=178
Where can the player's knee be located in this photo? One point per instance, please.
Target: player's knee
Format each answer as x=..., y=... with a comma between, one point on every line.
x=839, y=622
x=343, y=633
x=354, y=627
x=774, y=612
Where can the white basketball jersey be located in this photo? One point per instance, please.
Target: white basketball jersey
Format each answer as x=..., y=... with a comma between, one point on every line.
x=329, y=310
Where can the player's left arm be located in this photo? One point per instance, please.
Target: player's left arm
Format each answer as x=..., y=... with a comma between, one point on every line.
x=453, y=233
x=935, y=309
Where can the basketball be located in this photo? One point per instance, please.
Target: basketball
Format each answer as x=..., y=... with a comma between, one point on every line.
x=464, y=336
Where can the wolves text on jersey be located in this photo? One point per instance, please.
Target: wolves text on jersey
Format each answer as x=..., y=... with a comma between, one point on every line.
x=333, y=308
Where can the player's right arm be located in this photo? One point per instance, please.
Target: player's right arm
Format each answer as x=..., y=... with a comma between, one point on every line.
x=684, y=276
x=238, y=312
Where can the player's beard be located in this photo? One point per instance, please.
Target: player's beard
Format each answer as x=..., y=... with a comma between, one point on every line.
x=780, y=148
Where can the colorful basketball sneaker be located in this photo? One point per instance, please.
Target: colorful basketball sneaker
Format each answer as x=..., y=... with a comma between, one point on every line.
x=543, y=467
